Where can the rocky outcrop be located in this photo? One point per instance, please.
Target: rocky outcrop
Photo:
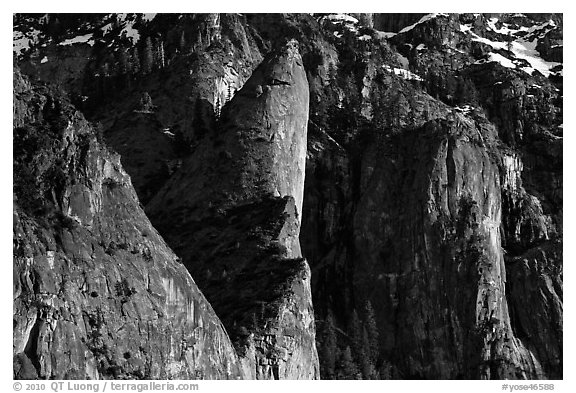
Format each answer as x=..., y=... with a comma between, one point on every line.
x=97, y=293
x=431, y=214
x=233, y=211
x=441, y=233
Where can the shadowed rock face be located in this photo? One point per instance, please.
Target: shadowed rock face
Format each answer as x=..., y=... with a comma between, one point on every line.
x=97, y=293
x=429, y=254
x=394, y=22
x=237, y=203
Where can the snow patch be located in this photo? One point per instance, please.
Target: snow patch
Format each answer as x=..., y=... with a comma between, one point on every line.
x=521, y=49
x=404, y=74
x=527, y=51
x=425, y=18
x=23, y=41
x=465, y=109
x=106, y=28
x=504, y=61
x=81, y=39
x=505, y=29
x=130, y=32
x=148, y=17
x=342, y=18
x=44, y=60
x=384, y=34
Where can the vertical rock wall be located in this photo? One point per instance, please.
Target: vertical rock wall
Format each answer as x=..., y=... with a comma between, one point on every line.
x=238, y=203
x=428, y=230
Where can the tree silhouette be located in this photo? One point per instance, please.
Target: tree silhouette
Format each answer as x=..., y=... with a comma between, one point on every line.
x=199, y=127
x=159, y=45
x=217, y=108
x=229, y=96
x=123, y=62
x=146, y=102
x=356, y=335
x=182, y=42
x=372, y=332
x=509, y=40
x=147, y=57
x=347, y=367
x=329, y=347
x=135, y=59
x=366, y=363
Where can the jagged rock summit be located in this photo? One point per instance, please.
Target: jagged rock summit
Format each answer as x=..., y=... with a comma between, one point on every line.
x=259, y=146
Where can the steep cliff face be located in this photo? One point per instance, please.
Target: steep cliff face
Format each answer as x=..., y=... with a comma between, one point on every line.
x=97, y=293
x=420, y=154
x=363, y=149
x=428, y=254
x=237, y=208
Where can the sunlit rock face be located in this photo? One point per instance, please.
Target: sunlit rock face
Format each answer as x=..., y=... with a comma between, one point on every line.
x=97, y=293
x=242, y=196
x=357, y=196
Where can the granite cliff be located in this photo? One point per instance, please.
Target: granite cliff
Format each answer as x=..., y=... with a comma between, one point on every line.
x=233, y=210
x=386, y=188
x=97, y=293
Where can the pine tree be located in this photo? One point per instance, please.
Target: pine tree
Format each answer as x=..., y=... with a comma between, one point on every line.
x=332, y=73
x=55, y=27
x=347, y=367
x=217, y=108
x=372, y=331
x=146, y=102
x=160, y=52
x=366, y=363
x=509, y=40
x=466, y=92
x=135, y=59
x=147, y=57
x=198, y=124
x=181, y=145
x=329, y=347
x=229, y=96
x=356, y=335
x=385, y=370
x=123, y=62
x=182, y=42
x=200, y=42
